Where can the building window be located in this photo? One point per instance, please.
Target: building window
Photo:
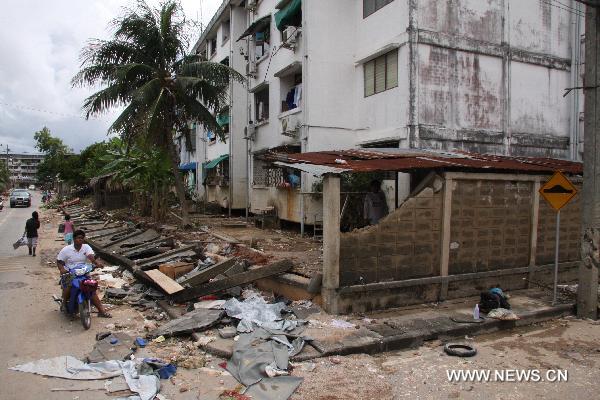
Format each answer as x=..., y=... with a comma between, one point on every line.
x=291, y=91
x=370, y=6
x=261, y=105
x=225, y=32
x=262, y=41
x=213, y=46
x=381, y=73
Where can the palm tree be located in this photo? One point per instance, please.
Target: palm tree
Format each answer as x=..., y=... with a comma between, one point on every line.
x=146, y=69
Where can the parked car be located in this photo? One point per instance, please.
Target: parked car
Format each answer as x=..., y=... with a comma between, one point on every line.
x=31, y=187
x=20, y=197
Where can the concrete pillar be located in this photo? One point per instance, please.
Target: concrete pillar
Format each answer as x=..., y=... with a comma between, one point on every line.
x=445, y=237
x=331, y=242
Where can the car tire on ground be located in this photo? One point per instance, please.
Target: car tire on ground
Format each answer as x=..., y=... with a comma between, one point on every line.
x=459, y=350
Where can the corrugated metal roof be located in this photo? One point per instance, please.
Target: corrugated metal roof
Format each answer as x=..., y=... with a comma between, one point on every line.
x=370, y=160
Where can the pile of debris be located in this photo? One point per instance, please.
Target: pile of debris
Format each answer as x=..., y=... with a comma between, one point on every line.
x=183, y=270
x=207, y=274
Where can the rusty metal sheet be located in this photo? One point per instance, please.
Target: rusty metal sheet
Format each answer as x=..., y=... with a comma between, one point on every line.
x=359, y=160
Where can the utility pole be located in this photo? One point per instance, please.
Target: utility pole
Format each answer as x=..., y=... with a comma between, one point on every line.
x=587, y=294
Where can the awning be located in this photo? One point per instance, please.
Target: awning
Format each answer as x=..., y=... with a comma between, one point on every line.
x=291, y=15
x=257, y=26
x=223, y=119
x=213, y=163
x=191, y=166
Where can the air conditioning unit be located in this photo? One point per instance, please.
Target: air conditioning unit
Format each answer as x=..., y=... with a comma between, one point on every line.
x=290, y=126
x=290, y=36
x=251, y=4
x=252, y=69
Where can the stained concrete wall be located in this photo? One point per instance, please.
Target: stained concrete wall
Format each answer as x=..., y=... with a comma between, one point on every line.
x=490, y=225
x=404, y=245
x=490, y=232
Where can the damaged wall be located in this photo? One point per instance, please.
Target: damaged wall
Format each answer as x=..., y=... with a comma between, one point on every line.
x=490, y=234
x=404, y=245
x=491, y=76
x=490, y=225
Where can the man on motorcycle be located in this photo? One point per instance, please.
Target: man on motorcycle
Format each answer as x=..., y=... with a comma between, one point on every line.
x=71, y=255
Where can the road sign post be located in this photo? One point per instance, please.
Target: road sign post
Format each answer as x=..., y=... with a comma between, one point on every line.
x=558, y=191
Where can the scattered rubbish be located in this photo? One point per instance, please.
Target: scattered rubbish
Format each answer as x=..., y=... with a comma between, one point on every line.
x=115, y=346
x=68, y=367
x=460, y=320
x=227, y=332
x=202, y=341
x=252, y=353
x=167, y=284
x=194, y=321
x=159, y=339
x=502, y=314
x=233, y=395
x=492, y=299
x=476, y=312
x=341, y=324
x=459, y=350
x=140, y=342
x=210, y=305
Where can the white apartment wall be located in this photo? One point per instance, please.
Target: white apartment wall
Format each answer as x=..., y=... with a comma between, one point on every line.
x=474, y=94
x=268, y=135
x=234, y=144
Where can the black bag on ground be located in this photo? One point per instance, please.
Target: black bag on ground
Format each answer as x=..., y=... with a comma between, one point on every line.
x=489, y=301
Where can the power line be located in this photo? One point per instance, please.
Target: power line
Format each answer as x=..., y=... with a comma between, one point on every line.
x=572, y=11
x=29, y=108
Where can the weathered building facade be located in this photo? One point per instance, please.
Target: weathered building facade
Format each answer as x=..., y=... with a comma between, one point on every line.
x=484, y=76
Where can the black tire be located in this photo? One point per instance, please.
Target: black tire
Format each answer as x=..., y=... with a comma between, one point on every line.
x=85, y=314
x=459, y=350
x=12, y=205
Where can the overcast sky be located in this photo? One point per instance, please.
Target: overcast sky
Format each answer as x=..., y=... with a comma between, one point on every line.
x=40, y=42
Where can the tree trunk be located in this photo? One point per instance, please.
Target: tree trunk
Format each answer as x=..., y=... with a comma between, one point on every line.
x=179, y=188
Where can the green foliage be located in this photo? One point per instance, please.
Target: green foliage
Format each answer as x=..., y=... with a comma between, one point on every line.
x=144, y=67
x=4, y=176
x=142, y=170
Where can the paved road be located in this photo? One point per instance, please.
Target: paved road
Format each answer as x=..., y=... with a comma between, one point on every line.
x=32, y=328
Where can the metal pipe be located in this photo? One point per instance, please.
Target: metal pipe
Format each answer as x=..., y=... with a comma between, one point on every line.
x=556, y=256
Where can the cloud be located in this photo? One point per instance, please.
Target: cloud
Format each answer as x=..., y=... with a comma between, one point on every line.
x=40, y=43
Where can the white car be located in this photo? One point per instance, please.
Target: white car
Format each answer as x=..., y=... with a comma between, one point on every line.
x=31, y=187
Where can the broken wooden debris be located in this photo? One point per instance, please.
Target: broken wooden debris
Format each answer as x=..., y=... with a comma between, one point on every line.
x=233, y=281
x=204, y=275
x=194, y=321
x=134, y=239
x=164, y=282
x=176, y=254
x=176, y=269
x=137, y=251
x=221, y=236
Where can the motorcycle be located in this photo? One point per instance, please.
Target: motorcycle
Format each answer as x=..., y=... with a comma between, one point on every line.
x=82, y=291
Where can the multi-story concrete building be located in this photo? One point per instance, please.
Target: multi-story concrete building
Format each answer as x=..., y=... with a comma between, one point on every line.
x=480, y=76
x=23, y=168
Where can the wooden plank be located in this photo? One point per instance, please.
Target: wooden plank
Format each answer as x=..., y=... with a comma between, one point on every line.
x=200, y=277
x=533, y=238
x=176, y=269
x=151, y=260
x=236, y=280
x=445, y=241
x=221, y=236
x=164, y=282
x=451, y=278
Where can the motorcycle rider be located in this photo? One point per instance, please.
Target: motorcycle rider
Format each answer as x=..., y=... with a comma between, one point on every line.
x=70, y=256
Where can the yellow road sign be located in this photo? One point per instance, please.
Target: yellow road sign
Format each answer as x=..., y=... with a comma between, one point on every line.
x=558, y=191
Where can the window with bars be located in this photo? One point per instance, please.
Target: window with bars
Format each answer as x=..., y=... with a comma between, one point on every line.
x=370, y=6
x=381, y=73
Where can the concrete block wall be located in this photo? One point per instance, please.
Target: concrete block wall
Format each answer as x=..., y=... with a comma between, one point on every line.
x=404, y=245
x=570, y=232
x=490, y=225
